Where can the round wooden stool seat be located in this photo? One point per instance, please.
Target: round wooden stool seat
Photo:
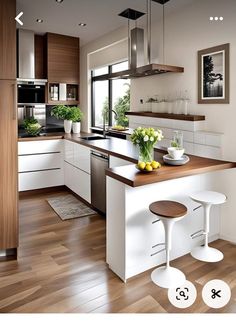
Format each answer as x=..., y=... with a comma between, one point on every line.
x=167, y=208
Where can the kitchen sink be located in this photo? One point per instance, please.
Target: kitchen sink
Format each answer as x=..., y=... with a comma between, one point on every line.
x=93, y=138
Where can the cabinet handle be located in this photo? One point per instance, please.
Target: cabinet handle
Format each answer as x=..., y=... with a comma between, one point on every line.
x=14, y=101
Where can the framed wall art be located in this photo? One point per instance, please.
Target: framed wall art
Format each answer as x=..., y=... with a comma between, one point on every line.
x=213, y=75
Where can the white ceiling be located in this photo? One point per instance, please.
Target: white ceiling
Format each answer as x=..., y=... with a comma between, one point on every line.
x=101, y=16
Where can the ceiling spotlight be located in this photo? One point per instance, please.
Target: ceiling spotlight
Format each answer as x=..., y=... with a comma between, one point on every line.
x=39, y=20
x=211, y=18
x=59, y=1
x=221, y=18
x=81, y=24
x=216, y=18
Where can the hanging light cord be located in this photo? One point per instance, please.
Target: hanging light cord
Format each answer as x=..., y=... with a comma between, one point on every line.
x=163, y=35
x=129, y=49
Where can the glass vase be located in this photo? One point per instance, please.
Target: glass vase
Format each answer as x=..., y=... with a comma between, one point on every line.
x=146, y=153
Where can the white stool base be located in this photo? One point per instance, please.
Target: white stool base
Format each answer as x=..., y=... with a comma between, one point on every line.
x=168, y=277
x=207, y=254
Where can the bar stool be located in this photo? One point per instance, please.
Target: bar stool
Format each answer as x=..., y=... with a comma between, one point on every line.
x=207, y=199
x=169, y=212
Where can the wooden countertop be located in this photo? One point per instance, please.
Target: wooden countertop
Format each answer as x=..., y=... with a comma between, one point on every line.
x=112, y=146
x=197, y=165
x=126, y=150
x=48, y=136
x=117, y=147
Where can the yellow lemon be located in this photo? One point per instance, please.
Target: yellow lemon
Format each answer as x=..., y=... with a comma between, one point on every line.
x=141, y=165
x=148, y=167
x=155, y=164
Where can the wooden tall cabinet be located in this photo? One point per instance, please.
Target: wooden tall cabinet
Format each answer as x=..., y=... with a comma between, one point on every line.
x=8, y=130
x=7, y=39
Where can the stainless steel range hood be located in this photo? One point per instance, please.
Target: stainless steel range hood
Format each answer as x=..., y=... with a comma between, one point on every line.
x=26, y=56
x=136, y=49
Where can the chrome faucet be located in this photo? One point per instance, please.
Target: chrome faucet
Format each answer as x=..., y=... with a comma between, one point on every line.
x=104, y=122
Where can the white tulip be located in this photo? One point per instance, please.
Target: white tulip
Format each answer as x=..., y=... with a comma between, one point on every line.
x=151, y=138
x=145, y=139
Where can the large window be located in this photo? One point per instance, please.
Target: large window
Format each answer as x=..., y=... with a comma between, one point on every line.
x=110, y=96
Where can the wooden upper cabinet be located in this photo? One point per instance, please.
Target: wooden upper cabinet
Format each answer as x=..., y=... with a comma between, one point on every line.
x=7, y=39
x=40, y=57
x=62, y=59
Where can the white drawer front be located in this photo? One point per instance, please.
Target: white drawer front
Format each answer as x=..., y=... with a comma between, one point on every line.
x=41, y=179
x=69, y=151
x=39, y=162
x=81, y=184
x=44, y=146
x=78, y=181
x=82, y=157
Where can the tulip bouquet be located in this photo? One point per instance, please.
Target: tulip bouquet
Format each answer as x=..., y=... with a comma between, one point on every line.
x=146, y=138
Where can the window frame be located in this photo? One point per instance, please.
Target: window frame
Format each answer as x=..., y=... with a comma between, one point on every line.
x=110, y=93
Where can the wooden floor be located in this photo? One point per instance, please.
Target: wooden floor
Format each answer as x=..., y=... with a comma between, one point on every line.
x=61, y=268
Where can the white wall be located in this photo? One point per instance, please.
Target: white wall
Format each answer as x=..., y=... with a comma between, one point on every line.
x=108, y=49
x=188, y=31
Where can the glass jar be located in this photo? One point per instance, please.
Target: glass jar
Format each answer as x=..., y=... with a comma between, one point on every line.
x=178, y=139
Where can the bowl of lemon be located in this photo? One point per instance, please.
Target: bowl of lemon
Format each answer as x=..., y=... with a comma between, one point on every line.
x=148, y=167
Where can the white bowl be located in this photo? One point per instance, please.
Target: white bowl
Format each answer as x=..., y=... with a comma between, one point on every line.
x=175, y=153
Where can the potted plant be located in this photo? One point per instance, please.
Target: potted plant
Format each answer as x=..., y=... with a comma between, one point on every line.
x=32, y=126
x=76, y=117
x=63, y=112
x=146, y=138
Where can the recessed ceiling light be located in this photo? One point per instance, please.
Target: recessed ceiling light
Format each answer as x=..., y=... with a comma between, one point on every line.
x=59, y=1
x=211, y=18
x=39, y=20
x=81, y=24
x=221, y=18
x=216, y=18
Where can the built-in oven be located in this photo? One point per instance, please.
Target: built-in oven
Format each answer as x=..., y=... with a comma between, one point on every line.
x=31, y=92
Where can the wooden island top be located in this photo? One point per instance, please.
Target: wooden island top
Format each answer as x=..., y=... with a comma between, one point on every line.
x=132, y=177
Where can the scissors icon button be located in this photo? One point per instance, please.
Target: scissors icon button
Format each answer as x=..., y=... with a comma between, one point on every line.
x=215, y=293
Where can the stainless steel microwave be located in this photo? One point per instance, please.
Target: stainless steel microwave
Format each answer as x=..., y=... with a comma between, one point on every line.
x=31, y=92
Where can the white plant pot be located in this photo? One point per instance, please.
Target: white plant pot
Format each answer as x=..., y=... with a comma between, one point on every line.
x=67, y=126
x=76, y=127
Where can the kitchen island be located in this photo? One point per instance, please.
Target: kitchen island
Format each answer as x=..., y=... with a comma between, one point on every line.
x=133, y=231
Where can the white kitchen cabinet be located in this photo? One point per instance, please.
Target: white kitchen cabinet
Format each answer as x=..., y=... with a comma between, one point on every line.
x=43, y=146
x=40, y=164
x=82, y=157
x=68, y=175
x=69, y=151
x=40, y=179
x=78, y=181
x=77, y=155
x=82, y=185
x=35, y=162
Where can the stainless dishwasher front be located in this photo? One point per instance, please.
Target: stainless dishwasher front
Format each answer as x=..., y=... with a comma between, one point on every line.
x=99, y=164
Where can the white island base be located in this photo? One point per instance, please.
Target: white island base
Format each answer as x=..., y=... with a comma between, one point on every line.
x=131, y=228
